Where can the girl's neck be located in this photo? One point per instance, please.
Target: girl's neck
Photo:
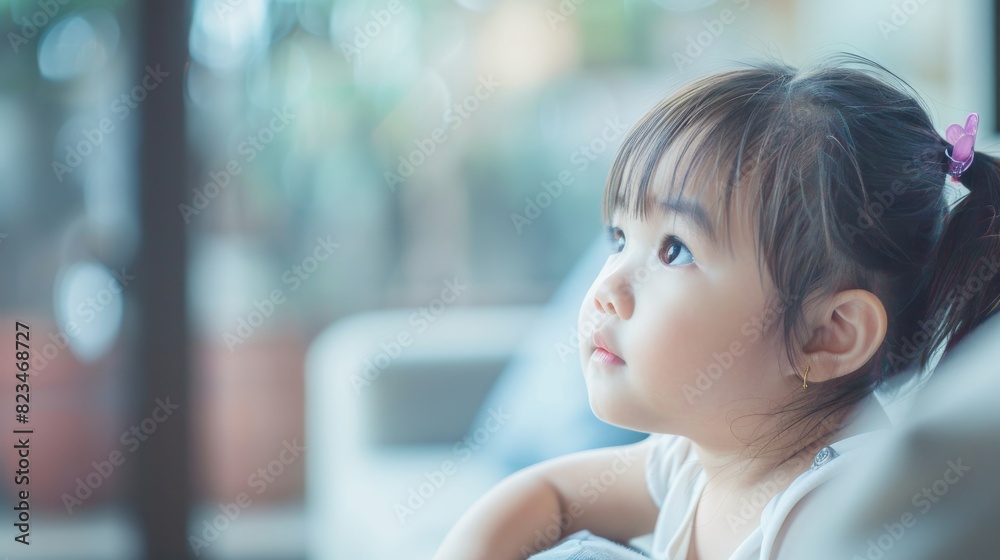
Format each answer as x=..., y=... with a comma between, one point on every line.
x=734, y=469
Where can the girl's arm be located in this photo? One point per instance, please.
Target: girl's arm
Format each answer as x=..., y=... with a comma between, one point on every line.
x=602, y=490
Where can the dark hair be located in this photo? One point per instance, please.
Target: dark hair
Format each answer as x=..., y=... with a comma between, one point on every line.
x=843, y=176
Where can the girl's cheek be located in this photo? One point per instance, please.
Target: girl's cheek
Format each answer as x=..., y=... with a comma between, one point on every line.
x=684, y=336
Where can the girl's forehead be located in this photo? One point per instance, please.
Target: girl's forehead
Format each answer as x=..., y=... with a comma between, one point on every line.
x=685, y=171
x=694, y=166
x=663, y=198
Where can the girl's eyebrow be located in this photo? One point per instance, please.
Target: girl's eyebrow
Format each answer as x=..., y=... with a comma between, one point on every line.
x=693, y=213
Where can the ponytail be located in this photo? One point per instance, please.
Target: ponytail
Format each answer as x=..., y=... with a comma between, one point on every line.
x=964, y=287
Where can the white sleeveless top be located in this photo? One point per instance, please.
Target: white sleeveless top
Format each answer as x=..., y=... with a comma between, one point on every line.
x=675, y=480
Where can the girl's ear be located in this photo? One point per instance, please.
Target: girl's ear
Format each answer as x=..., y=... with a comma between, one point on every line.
x=846, y=329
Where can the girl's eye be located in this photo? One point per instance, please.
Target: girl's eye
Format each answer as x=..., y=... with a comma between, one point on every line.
x=617, y=238
x=674, y=253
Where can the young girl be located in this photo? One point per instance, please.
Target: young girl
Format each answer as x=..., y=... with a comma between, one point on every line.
x=782, y=247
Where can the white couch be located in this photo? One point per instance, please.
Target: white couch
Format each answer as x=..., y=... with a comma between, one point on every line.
x=376, y=448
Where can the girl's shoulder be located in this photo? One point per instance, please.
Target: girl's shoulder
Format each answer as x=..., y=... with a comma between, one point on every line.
x=827, y=463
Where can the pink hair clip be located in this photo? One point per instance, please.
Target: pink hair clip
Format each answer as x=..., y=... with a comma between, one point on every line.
x=963, y=143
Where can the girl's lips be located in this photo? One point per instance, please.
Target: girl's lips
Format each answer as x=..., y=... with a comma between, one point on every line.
x=603, y=354
x=605, y=357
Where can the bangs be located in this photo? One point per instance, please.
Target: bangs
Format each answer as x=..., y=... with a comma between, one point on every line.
x=692, y=140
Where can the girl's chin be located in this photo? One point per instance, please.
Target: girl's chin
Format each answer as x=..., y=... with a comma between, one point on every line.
x=607, y=408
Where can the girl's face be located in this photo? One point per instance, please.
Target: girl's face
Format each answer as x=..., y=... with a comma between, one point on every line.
x=682, y=317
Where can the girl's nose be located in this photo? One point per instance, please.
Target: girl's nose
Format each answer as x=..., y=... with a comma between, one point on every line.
x=613, y=295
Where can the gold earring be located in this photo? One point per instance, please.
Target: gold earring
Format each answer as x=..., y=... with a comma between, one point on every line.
x=804, y=375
